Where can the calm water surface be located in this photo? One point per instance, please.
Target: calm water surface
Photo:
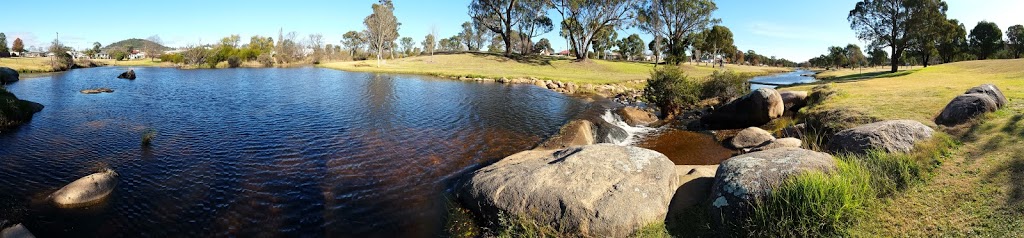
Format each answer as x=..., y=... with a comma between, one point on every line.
x=794, y=77
x=280, y=152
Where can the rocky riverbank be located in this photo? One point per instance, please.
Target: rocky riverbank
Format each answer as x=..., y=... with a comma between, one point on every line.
x=14, y=111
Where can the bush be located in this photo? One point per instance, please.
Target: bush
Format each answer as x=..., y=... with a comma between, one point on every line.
x=671, y=90
x=266, y=60
x=173, y=58
x=234, y=61
x=725, y=85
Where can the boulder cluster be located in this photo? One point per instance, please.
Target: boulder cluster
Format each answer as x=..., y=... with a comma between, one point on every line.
x=972, y=104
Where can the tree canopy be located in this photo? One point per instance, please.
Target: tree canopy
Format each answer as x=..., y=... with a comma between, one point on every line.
x=584, y=18
x=890, y=23
x=1014, y=36
x=986, y=39
x=381, y=28
x=675, y=21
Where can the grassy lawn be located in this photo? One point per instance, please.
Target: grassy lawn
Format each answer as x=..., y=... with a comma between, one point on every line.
x=27, y=65
x=977, y=191
x=920, y=94
x=494, y=66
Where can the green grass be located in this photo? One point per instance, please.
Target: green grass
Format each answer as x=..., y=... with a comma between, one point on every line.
x=27, y=65
x=147, y=137
x=546, y=68
x=13, y=112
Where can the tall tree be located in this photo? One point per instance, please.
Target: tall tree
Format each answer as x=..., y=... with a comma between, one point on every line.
x=714, y=40
x=542, y=46
x=854, y=56
x=534, y=21
x=878, y=57
x=18, y=46
x=675, y=21
x=986, y=39
x=407, y=45
x=1014, y=36
x=584, y=18
x=952, y=40
x=604, y=40
x=467, y=36
x=381, y=28
x=498, y=16
x=3, y=44
x=316, y=43
x=888, y=23
x=632, y=47
x=657, y=48
x=929, y=18
x=429, y=44
x=352, y=40
x=153, y=48
x=837, y=56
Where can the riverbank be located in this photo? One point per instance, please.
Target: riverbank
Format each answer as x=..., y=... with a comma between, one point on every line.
x=490, y=66
x=975, y=190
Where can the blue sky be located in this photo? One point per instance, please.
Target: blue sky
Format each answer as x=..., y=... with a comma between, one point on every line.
x=792, y=29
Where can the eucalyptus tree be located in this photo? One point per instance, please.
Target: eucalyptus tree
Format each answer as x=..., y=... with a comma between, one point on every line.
x=1014, y=36
x=382, y=28
x=407, y=45
x=353, y=41
x=675, y=21
x=986, y=39
x=632, y=47
x=854, y=56
x=429, y=44
x=543, y=45
x=584, y=18
x=952, y=40
x=468, y=36
x=930, y=17
x=890, y=23
x=534, y=21
x=603, y=41
x=714, y=40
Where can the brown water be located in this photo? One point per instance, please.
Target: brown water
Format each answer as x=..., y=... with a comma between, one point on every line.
x=687, y=147
x=301, y=152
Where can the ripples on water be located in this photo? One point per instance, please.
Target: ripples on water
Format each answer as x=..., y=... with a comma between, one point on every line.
x=293, y=152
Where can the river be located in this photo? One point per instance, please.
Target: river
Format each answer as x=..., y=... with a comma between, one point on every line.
x=262, y=152
x=783, y=79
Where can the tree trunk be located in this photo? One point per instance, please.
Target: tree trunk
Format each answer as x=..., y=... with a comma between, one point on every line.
x=895, y=59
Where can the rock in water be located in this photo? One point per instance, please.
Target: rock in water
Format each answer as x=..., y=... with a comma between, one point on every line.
x=992, y=91
x=897, y=136
x=575, y=133
x=751, y=137
x=16, y=231
x=754, y=109
x=86, y=190
x=96, y=91
x=8, y=75
x=634, y=116
x=130, y=75
x=598, y=190
x=965, y=107
x=742, y=180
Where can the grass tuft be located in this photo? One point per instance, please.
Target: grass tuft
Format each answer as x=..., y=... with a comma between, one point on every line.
x=147, y=137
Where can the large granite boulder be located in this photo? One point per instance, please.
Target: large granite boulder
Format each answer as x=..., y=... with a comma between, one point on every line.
x=793, y=100
x=575, y=133
x=694, y=186
x=17, y=111
x=754, y=109
x=8, y=75
x=966, y=107
x=130, y=75
x=609, y=133
x=598, y=190
x=780, y=143
x=751, y=137
x=634, y=116
x=992, y=91
x=897, y=136
x=86, y=190
x=742, y=180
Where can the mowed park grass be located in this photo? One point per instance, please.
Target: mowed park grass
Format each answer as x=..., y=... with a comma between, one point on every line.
x=977, y=191
x=547, y=68
x=42, y=64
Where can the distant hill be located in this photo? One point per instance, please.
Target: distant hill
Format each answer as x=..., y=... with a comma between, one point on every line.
x=134, y=43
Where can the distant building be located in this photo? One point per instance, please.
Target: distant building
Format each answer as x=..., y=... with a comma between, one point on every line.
x=101, y=55
x=136, y=55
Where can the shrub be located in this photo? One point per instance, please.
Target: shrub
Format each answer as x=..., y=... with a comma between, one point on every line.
x=234, y=61
x=266, y=60
x=173, y=58
x=725, y=85
x=671, y=90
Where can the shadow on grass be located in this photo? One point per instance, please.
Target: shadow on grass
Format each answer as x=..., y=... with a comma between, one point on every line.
x=535, y=60
x=866, y=76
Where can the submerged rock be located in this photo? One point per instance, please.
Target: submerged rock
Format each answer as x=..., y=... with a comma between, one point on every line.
x=8, y=75
x=897, y=136
x=755, y=109
x=742, y=180
x=598, y=190
x=86, y=190
x=130, y=75
x=96, y=91
x=16, y=231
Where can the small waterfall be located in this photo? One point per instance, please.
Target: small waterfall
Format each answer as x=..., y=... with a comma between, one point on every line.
x=631, y=134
